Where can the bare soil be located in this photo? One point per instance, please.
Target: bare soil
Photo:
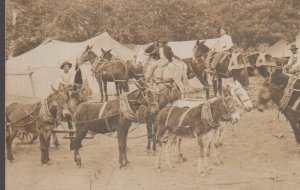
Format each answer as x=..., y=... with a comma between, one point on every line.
x=262, y=155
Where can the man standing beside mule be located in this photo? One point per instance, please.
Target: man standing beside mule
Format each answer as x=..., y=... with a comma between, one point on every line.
x=161, y=52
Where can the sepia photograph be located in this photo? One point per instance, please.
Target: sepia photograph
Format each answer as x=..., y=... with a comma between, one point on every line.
x=152, y=94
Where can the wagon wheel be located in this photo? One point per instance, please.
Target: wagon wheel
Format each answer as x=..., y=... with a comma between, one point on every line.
x=27, y=138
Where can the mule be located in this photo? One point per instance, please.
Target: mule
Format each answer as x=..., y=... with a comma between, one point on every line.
x=107, y=68
x=233, y=89
x=198, y=66
x=41, y=117
x=199, y=122
x=115, y=115
x=78, y=94
x=167, y=94
x=275, y=89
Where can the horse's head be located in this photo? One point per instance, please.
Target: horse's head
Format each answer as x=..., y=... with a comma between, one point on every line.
x=79, y=94
x=229, y=109
x=199, y=50
x=148, y=98
x=60, y=99
x=237, y=91
x=136, y=70
x=272, y=90
x=86, y=55
x=107, y=55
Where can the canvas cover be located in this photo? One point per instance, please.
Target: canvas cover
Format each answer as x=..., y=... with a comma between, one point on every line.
x=44, y=62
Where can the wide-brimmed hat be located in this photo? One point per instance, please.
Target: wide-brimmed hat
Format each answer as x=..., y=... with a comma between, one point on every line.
x=224, y=28
x=293, y=46
x=65, y=63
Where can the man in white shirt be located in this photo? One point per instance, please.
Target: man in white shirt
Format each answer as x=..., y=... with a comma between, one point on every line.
x=221, y=50
x=293, y=66
x=66, y=77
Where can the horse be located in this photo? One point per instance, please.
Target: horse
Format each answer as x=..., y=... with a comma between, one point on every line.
x=198, y=67
x=199, y=122
x=107, y=68
x=176, y=72
x=167, y=94
x=39, y=117
x=114, y=115
x=285, y=95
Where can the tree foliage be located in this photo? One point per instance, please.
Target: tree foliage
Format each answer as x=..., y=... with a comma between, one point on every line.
x=142, y=21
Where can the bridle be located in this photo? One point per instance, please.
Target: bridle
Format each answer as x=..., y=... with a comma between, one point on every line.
x=226, y=111
x=46, y=115
x=238, y=97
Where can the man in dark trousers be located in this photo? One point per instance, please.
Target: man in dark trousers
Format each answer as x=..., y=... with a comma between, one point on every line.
x=163, y=55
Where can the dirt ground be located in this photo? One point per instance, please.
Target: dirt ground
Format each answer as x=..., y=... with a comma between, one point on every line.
x=262, y=155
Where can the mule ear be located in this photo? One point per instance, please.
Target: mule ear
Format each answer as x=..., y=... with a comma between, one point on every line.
x=91, y=47
x=61, y=87
x=109, y=51
x=102, y=50
x=197, y=42
x=87, y=48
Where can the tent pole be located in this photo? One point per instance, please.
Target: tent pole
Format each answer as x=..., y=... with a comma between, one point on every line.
x=31, y=81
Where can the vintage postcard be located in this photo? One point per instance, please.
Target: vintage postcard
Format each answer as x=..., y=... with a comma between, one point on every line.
x=152, y=94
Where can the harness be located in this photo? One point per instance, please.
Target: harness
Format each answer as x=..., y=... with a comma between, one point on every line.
x=45, y=114
x=126, y=109
x=283, y=103
x=206, y=115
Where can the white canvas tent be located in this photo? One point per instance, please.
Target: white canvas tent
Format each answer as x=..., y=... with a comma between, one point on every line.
x=281, y=48
x=45, y=59
x=183, y=49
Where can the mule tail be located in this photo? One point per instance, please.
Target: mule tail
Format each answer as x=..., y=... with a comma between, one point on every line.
x=161, y=135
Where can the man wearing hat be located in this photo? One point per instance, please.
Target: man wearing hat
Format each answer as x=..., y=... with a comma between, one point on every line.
x=293, y=65
x=221, y=50
x=66, y=77
x=163, y=55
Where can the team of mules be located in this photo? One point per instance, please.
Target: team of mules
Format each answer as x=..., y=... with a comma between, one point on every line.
x=114, y=115
x=43, y=116
x=165, y=123
x=107, y=68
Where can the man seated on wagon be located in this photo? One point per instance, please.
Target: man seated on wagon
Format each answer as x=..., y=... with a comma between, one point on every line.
x=162, y=53
x=66, y=77
x=218, y=54
x=293, y=65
